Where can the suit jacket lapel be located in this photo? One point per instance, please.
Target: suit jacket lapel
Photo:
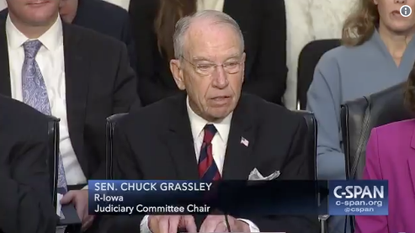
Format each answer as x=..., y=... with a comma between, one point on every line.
x=180, y=142
x=238, y=159
x=77, y=68
x=5, y=88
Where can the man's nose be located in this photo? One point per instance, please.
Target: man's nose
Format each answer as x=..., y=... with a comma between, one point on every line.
x=220, y=77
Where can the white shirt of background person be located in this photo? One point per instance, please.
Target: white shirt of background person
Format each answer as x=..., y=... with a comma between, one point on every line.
x=122, y=3
x=50, y=59
x=218, y=150
x=201, y=4
x=3, y=4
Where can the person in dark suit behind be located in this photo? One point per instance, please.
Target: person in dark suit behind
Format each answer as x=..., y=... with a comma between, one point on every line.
x=262, y=23
x=75, y=74
x=102, y=17
x=204, y=125
x=26, y=202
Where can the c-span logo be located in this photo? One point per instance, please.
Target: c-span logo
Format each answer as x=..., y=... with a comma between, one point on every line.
x=358, y=197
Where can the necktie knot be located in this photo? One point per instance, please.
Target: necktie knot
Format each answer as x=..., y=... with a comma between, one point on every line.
x=31, y=48
x=210, y=131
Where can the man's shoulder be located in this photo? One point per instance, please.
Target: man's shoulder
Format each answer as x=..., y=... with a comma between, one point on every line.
x=106, y=11
x=92, y=39
x=20, y=117
x=156, y=115
x=105, y=7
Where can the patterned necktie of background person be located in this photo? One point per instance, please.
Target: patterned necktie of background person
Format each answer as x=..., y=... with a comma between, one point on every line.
x=208, y=170
x=35, y=93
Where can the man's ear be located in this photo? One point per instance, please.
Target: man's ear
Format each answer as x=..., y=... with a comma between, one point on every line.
x=243, y=60
x=243, y=66
x=177, y=71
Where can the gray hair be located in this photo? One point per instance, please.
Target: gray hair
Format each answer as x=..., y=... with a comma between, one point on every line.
x=184, y=24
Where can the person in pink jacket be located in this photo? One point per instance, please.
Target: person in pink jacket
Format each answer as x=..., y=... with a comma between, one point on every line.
x=390, y=155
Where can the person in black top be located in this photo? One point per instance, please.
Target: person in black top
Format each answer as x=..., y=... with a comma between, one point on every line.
x=262, y=23
x=26, y=201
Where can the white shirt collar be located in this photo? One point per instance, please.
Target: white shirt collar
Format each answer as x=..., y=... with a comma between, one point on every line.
x=51, y=39
x=197, y=124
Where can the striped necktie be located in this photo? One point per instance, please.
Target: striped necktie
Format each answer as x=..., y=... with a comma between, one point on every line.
x=208, y=171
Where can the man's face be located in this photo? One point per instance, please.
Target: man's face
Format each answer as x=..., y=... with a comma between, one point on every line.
x=211, y=70
x=34, y=12
x=67, y=10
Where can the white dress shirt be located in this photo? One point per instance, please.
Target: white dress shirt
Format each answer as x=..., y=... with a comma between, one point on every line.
x=201, y=4
x=121, y=3
x=3, y=4
x=219, y=143
x=50, y=59
x=216, y=5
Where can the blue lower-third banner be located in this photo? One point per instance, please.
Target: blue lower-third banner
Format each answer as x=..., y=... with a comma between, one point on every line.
x=346, y=197
x=358, y=197
x=128, y=197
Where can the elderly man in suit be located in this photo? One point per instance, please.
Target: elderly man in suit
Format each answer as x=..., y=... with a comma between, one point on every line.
x=75, y=74
x=213, y=122
x=26, y=202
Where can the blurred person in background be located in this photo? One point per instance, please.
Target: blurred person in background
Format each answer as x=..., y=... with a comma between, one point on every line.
x=309, y=20
x=390, y=155
x=378, y=52
x=262, y=23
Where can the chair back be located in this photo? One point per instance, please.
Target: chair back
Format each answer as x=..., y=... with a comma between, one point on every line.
x=53, y=158
x=310, y=144
x=359, y=117
x=307, y=62
x=311, y=139
x=109, y=152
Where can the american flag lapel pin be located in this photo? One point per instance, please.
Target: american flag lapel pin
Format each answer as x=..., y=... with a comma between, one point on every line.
x=244, y=141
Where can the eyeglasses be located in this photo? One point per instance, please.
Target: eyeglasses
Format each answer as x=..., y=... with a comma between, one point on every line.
x=231, y=67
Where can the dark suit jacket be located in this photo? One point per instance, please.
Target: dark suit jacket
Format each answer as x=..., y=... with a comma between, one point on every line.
x=108, y=19
x=162, y=132
x=25, y=203
x=263, y=25
x=99, y=83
